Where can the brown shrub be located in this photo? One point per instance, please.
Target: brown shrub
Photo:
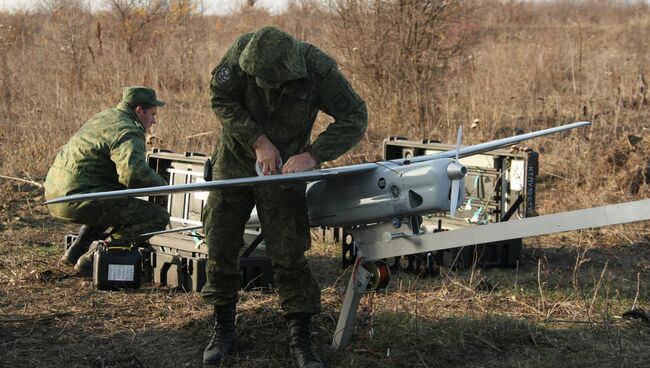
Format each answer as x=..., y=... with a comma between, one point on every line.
x=424, y=68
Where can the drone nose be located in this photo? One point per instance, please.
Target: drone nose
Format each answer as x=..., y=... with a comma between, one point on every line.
x=456, y=171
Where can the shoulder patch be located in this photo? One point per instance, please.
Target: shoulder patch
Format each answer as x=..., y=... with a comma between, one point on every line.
x=223, y=75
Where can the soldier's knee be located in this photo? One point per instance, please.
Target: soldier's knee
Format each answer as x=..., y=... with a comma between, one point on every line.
x=163, y=219
x=158, y=215
x=291, y=269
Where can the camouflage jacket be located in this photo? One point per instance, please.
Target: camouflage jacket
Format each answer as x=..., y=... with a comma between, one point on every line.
x=106, y=153
x=285, y=115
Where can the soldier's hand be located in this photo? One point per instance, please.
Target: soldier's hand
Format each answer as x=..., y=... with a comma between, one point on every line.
x=299, y=163
x=267, y=155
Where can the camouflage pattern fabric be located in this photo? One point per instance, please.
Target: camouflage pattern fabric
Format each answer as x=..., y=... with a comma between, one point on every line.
x=309, y=81
x=133, y=216
x=286, y=115
x=273, y=55
x=106, y=153
x=284, y=213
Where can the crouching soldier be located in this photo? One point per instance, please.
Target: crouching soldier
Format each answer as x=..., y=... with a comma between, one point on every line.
x=108, y=153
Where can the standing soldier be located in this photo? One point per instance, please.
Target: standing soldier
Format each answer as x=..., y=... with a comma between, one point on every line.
x=108, y=153
x=266, y=92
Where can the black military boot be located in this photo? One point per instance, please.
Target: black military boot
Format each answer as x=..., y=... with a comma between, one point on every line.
x=84, y=265
x=300, y=342
x=224, y=336
x=87, y=234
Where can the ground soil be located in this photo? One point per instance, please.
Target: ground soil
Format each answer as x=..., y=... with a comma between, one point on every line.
x=546, y=312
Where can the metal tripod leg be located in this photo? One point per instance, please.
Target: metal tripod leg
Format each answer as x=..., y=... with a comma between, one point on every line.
x=356, y=287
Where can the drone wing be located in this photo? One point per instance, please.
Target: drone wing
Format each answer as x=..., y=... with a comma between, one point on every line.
x=322, y=174
x=492, y=145
x=307, y=176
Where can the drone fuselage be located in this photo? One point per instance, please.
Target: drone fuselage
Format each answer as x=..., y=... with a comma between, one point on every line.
x=391, y=191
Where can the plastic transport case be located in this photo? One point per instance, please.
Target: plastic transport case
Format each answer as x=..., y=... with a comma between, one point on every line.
x=179, y=259
x=500, y=185
x=117, y=267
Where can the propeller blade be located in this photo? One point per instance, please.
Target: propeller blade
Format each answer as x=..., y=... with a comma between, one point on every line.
x=458, y=140
x=455, y=189
x=457, y=172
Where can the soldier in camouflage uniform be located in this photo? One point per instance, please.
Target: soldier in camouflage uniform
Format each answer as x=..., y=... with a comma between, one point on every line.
x=266, y=92
x=108, y=153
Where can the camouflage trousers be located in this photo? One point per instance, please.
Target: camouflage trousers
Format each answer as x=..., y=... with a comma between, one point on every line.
x=133, y=216
x=285, y=227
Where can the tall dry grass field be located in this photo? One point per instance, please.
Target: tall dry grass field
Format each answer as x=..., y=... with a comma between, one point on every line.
x=424, y=68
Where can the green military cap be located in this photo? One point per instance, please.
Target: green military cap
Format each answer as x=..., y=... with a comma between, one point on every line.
x=144, y=95
x=273, y=56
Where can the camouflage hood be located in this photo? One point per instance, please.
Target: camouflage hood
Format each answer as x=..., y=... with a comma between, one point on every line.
x=274, y=56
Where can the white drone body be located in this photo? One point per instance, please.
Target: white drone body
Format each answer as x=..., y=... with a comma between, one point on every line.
x=392, y=191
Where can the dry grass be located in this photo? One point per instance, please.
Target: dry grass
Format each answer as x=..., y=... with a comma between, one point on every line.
x=519, y=67
x=561, y=307
x=514, y=67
